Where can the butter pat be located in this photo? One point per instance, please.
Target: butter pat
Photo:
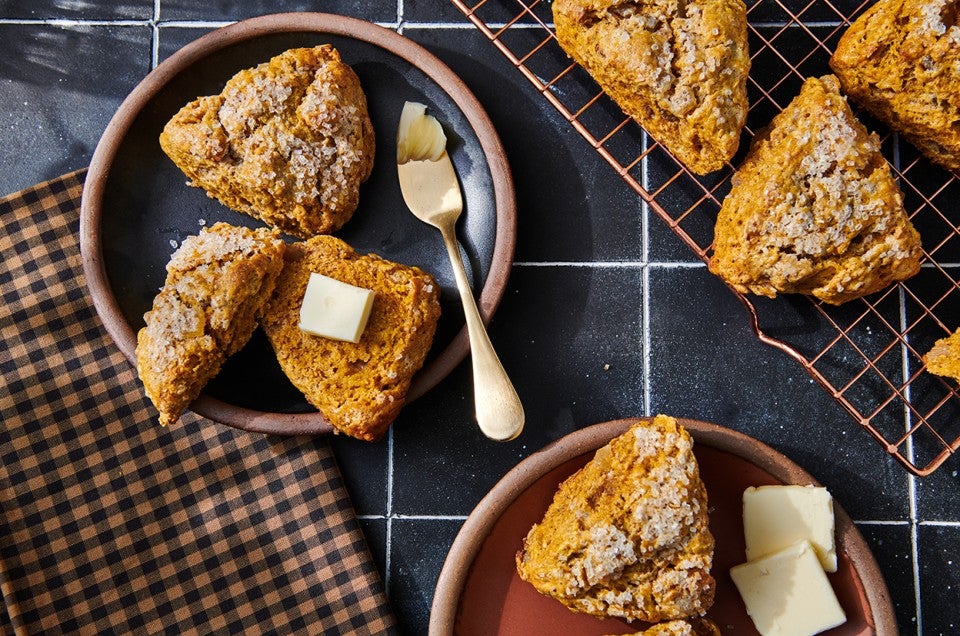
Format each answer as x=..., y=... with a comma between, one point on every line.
x=787, y=593
x=775, y=517
x=334, y=309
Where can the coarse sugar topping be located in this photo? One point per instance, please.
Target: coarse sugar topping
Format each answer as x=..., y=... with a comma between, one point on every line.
x=288, y=141
x=814, y=208
x=628, y=534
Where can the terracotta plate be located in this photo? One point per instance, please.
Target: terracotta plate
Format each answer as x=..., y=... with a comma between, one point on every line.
x=137, y=207
x=479, y=591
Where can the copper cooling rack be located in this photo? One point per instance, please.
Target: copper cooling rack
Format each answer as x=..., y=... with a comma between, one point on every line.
x=866, y=353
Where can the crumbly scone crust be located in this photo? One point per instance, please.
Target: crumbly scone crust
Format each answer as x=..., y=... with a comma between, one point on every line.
x=678, y=68
x=288, y=142
x=814, y=208
x=358, y=387
x=944, y=357
x=691, y=627
x=627, y=535
x=216, y=287
x=901, y=60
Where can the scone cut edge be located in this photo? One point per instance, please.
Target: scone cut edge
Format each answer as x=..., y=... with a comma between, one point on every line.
x=217, y=285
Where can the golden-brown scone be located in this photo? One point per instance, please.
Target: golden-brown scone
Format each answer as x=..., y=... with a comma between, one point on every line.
x=288, y=142
x=627, y=535
x=901, y=60
x=679, y=69
x=944, y=357
x=359, y=388
x=814, y=208
x=686, y=627
x=217, y=285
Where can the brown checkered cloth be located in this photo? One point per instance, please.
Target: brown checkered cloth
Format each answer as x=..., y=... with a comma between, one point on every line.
x=114, y=524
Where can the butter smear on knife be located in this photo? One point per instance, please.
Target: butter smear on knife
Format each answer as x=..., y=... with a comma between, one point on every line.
x=419, y=136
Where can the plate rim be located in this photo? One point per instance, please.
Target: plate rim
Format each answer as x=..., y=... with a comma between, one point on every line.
x=480, y=522
x=504, y=197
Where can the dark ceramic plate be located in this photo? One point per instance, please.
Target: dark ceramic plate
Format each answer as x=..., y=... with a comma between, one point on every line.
x=137, y=207
x=479, y=591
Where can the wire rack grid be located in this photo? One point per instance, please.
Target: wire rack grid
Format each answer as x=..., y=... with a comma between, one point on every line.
x=866, y=353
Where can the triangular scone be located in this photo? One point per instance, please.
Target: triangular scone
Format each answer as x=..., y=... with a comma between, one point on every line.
x=288, y=142
x=678, y=68
x=217, y=285
x=627, y=535
x=358, y=387
x=901, y=60
x=814, y=208
x=944, y=358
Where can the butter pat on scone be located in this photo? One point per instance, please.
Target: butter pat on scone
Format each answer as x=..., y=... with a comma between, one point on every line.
x=901, y=60
x=217, y=285
x=814, y=209
x=288, y=142
x=358, y=387
x=679, y=69
x=627, y=535
x=334, y=309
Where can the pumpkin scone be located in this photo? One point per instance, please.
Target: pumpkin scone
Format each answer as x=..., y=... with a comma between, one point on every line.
x=627, y=535
x=814, y=209
x=358, y=387
x=288, y=142
x=944, y=357
x=678, y=69
x=901, y=60
x=217, y=285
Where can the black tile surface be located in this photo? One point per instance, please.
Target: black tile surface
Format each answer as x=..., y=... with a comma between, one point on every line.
x=939, y=552
x=606, y=313
x=53, y=107
x=87, y=10
x=224, y=10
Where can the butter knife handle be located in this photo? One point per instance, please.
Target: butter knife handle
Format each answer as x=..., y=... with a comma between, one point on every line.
x=498, y=408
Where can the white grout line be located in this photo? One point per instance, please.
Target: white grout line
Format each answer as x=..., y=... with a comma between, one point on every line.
x=646, y=344
x=155, y=36
x=64, y=22
x=911, y=480
x=940, y=524
x=388, y=534
x=915, y=550
x=389, y=512
x=881, y=522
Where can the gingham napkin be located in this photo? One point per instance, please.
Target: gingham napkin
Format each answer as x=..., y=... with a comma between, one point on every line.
x=113, y=524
